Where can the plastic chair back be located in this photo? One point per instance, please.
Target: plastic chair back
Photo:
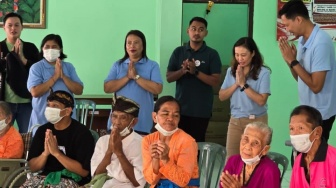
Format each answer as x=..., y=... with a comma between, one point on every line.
x=209, y=153
x=279, y=159
x=83, y=107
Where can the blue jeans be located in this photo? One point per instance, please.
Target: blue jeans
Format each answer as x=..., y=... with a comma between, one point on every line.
x=21, y=113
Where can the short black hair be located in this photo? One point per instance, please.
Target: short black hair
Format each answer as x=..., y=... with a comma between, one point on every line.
x=199, y=19
x=163, y=100
x=313, y=115
x=294, y=8
x=10, y=15
x=55, y=38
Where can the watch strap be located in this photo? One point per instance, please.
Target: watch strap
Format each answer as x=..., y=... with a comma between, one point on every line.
x=293, y=63
x=244, y=87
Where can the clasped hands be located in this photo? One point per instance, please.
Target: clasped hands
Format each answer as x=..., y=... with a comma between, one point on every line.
x=188, y=66
x=115, y=144
x=160, y=151
x=17, y=48
x=240, y=76
x=131, y=73
x=50, y=144
x=229, y=181
x=287, y=50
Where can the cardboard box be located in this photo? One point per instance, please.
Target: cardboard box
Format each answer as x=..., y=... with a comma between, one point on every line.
x=217, y=132
x=220, y=110
x=222, y=76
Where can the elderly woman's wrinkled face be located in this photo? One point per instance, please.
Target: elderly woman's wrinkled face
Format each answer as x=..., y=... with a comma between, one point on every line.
x=134, y=46
x=168, y=116
x=251, y=143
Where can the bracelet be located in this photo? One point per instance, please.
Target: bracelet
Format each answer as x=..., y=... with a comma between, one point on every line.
x=293, y=63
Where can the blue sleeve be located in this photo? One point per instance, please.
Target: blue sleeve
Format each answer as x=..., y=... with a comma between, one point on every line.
x=228, y=79
x=35, y=76
x=71, y=73
x=112, y=75
x=265, y=82
x=321, y=59
x=156, y=74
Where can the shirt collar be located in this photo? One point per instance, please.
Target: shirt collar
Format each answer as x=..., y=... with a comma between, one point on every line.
x=142, y=60
x=308, y=43
x=128, y=139
x=188, y=47
x=320, y=154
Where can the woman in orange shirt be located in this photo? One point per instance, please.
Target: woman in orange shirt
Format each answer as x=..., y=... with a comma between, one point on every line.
x=11, y=144
x=169, y=154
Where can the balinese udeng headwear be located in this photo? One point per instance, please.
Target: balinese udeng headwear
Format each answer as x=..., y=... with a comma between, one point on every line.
x=126, y=105
x=62, y=97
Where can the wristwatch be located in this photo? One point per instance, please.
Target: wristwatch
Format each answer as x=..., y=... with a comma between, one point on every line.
x=293, y=63
x=136, y=77
x=244, y=87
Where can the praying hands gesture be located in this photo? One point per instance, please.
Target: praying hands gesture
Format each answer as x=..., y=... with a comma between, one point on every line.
x=58, y=69
x=115, y=144
x=51, y=145
x=229, y=181
x=131, y=73
x=18, y=46
x=240, y=77
x=287, y=50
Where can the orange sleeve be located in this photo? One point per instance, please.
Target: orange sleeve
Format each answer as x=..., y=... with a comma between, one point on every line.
x=148, y=172
x=181, y=171
x=11, y=145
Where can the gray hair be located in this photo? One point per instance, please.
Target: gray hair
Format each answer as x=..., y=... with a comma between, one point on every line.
x=262, y=127
x=4, y=108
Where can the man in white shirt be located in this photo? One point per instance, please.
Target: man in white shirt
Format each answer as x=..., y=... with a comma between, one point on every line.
x=118, y=155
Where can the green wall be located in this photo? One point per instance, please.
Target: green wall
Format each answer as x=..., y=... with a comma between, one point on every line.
x=93, y=34
x=223, y=31
x=284, y=88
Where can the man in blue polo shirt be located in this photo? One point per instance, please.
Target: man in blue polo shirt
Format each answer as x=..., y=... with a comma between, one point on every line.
x=314, y=64
x=196, y=69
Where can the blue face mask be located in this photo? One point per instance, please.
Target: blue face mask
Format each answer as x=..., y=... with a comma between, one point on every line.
x=3, y=124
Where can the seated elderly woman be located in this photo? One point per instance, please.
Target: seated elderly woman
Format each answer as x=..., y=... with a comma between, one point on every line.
x=11, y=144
x=252, y=168
x=315, y=166
x=169, y=154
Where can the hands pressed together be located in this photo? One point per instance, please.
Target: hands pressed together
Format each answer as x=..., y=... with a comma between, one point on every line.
x=188, y=66
x=50, y=144
x=229, y=181
x=160, y=151
x=240, y=76
x=18, y=46
x=131, y=73
x=115, y=144
x=287, y=50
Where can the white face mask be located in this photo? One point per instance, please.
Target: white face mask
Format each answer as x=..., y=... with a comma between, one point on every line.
x=3, y=124
x=127, y=130
x=253, y=160
x=301, y=142
x=163, y=131
x=51, y=54
x=53, y=115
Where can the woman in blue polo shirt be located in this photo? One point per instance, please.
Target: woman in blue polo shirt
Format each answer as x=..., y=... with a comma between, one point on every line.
x=247, y=84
